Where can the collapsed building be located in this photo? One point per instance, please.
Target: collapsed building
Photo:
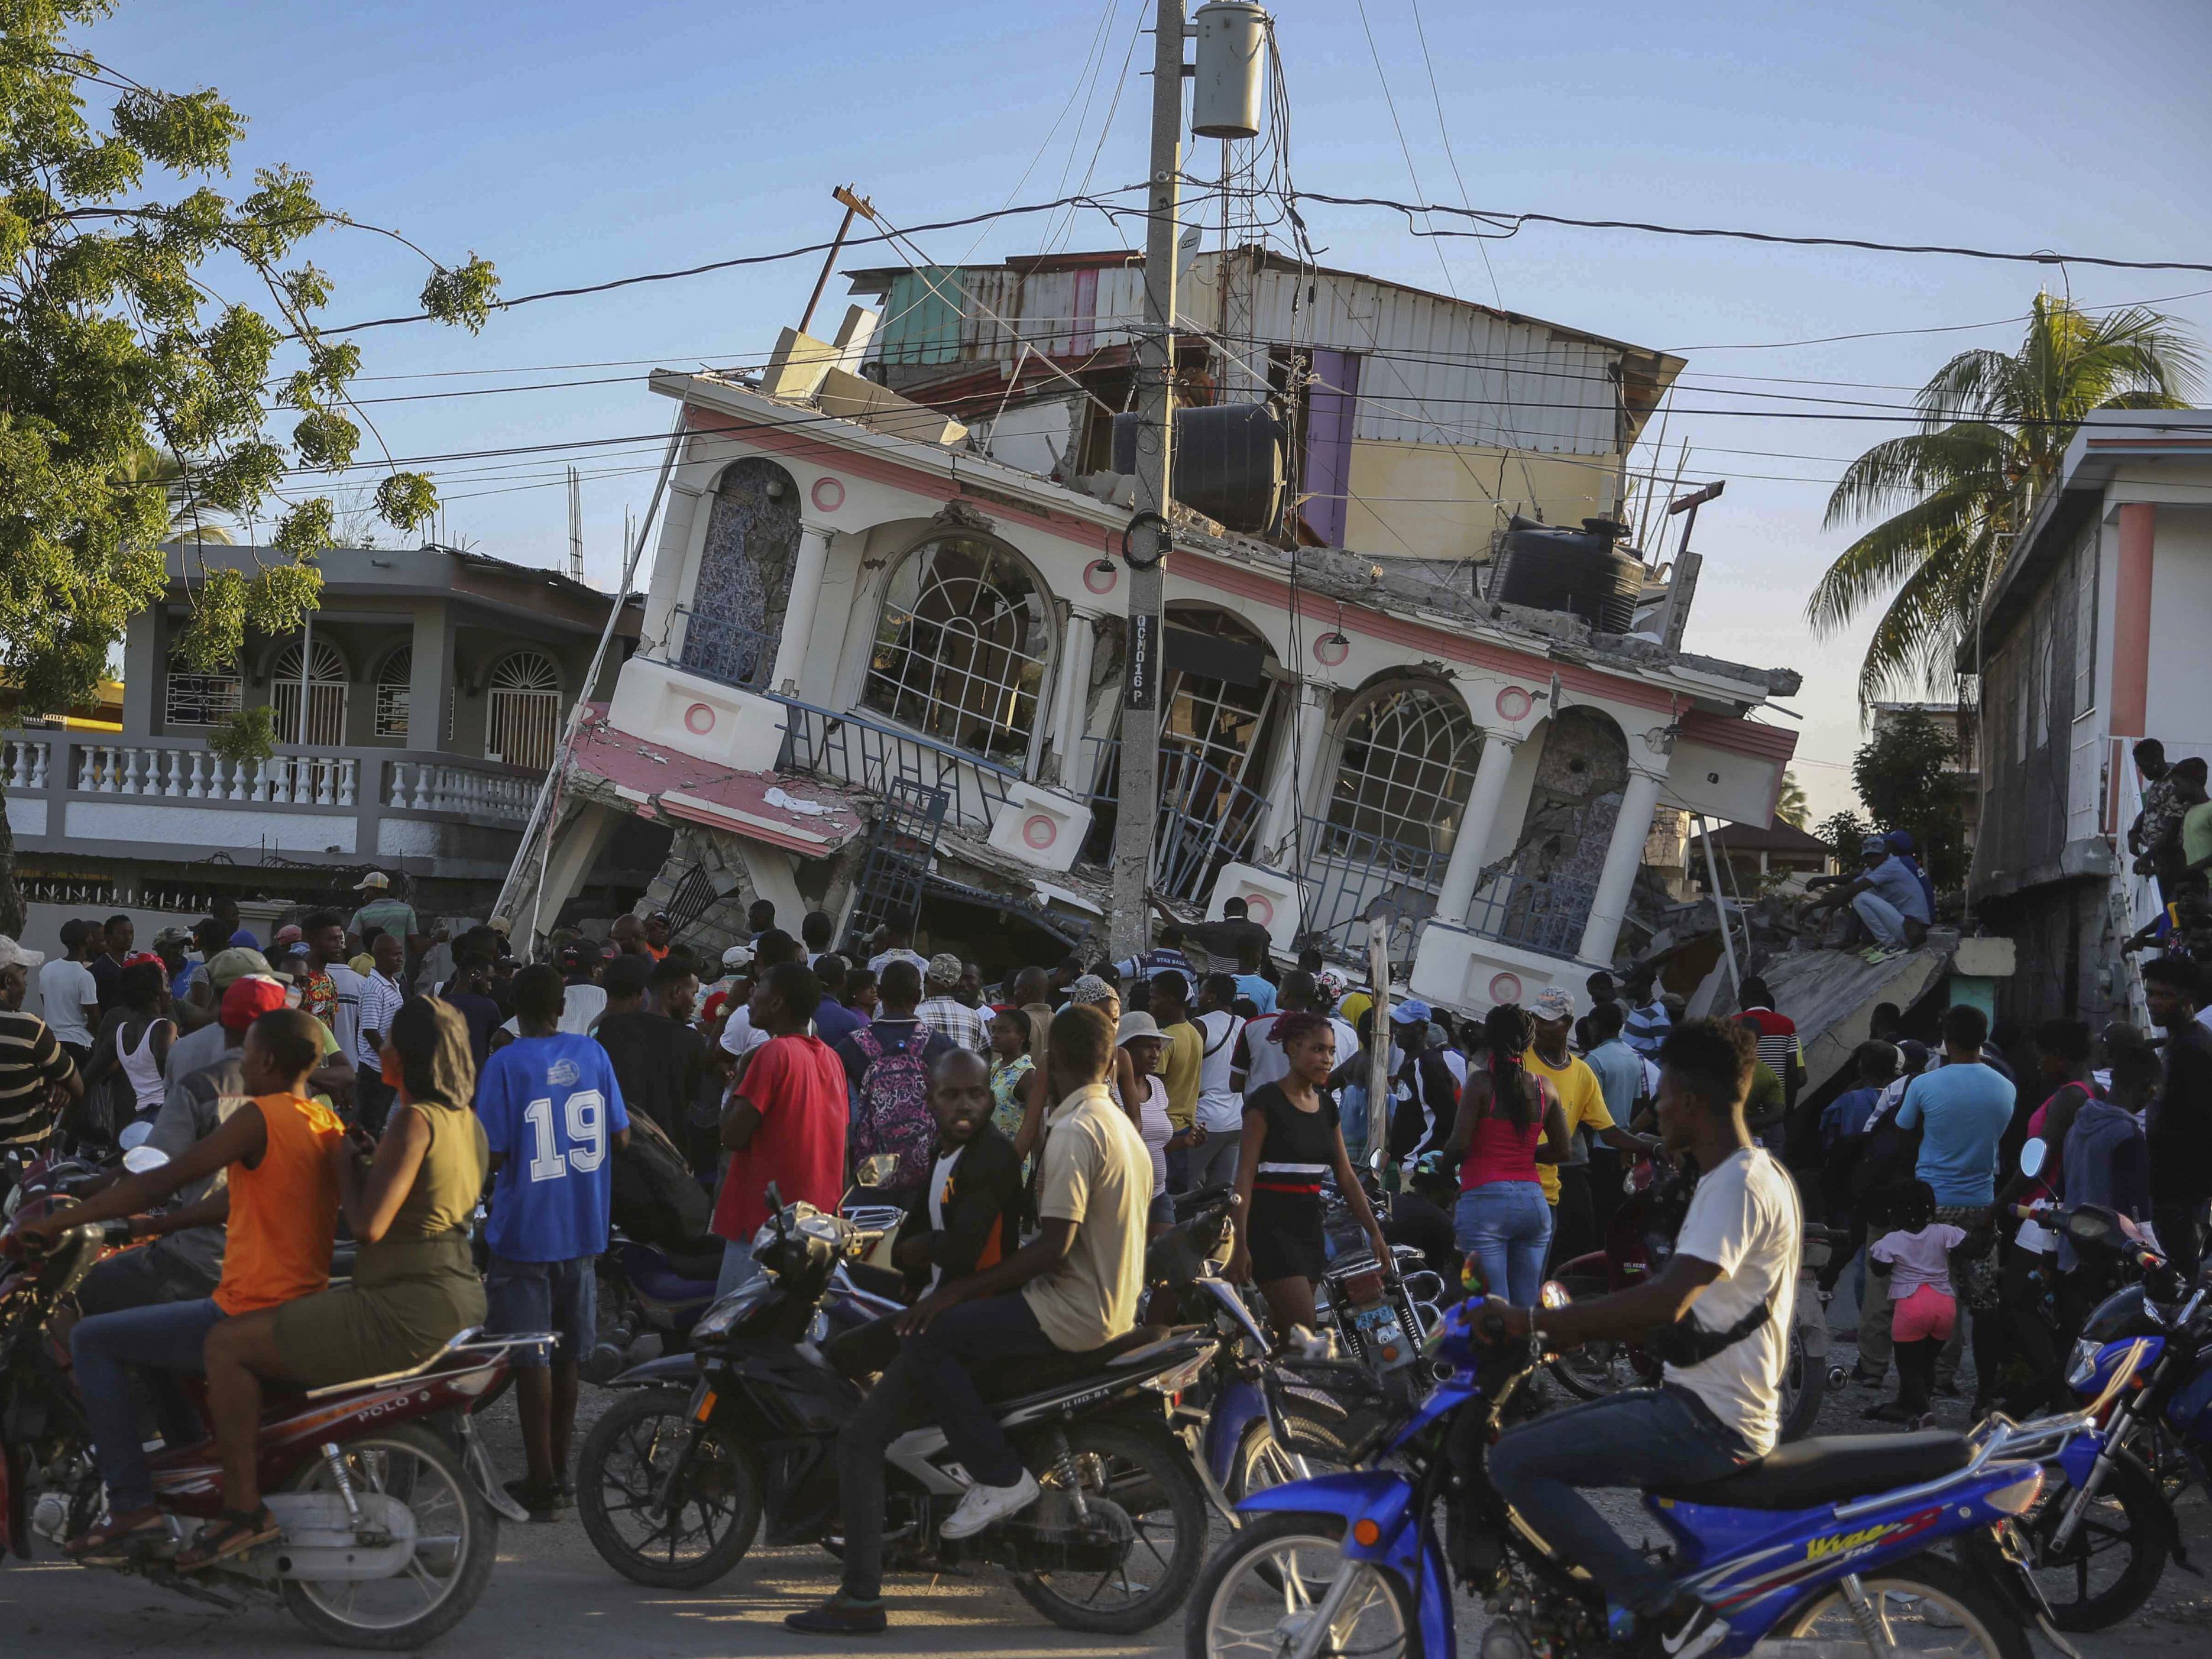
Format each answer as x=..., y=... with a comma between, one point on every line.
x=881, y=662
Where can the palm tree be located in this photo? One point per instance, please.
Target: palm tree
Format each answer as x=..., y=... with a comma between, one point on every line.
x=1993, y=430
x=1791, y=805
x=153, y=468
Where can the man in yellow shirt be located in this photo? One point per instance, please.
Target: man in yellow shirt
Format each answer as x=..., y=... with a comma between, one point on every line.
x=1566, y=1186
x=1180, y=1060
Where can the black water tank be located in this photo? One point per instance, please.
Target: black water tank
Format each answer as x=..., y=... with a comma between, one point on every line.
x=1574, y=570
x=1231, y=463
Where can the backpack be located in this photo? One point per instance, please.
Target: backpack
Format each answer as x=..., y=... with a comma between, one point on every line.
x=652, y=1197
x=894, y=1115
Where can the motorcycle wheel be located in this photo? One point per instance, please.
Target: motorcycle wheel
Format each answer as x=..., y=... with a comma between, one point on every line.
x=1596, y=1370
x=1280, y=1566
x=1804, y=1385
x=455, y=1544
x=1924, y=1604
x=2115, y=1556
x=1148, y=1473
x=1261, y=1462
x=626, y=1457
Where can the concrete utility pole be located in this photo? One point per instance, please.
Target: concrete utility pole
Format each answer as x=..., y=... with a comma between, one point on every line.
x=1128, y=927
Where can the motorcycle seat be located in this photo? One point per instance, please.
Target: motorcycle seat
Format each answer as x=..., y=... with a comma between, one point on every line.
x=1807, y=1473
x=696, y=1259
x=1056, y=1371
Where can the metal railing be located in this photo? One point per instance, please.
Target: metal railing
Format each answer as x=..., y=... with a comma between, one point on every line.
x=1346, y=870
x=727, y=653
x=1547, y=915
x=849, y=749
x=1205, y=818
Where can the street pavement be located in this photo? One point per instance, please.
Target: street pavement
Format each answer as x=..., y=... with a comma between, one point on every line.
x=552, y=1598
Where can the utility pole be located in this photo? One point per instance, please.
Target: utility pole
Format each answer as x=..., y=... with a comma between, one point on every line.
x=1128, y=927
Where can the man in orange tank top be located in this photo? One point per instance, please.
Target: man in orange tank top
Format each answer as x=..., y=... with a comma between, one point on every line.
x=281, y=1204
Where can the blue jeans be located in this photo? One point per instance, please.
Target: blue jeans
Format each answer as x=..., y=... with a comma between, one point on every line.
x=985, y=1335
x=1644, y=1439
x=528, y=1297
x=1883, y=920
x=1506, y=1226
x=169, y=1336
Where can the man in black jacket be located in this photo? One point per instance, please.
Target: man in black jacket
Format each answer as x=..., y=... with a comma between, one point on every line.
x=967, y=1217
x=2180, y=1132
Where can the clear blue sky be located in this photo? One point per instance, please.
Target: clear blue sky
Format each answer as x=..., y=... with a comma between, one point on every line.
x=572, y=143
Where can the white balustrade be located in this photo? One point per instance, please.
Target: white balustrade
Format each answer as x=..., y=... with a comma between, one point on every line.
x=24, y=762
x=434, y=787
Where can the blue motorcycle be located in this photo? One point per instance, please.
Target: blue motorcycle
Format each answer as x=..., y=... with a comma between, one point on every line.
x=2099, y=1538
x=1824, y=1549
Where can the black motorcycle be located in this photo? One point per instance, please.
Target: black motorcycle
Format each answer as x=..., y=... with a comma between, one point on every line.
x=676, y=1483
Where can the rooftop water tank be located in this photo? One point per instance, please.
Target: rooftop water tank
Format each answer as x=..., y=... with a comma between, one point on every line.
x=1579, y=571
x=1232, y=462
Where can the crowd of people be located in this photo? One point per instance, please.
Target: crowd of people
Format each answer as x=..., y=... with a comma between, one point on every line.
x=360, y=1077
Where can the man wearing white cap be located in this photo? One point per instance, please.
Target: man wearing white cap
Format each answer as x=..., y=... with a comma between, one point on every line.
x=37, y=1076
x=380, y=913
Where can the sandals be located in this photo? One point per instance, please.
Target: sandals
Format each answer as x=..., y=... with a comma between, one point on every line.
x=119, y=1536
x=235, y=1532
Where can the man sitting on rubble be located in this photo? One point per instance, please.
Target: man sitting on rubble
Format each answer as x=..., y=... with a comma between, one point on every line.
x=1886, y=896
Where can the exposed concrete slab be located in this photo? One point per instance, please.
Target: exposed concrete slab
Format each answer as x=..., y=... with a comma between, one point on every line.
x=1832, y=995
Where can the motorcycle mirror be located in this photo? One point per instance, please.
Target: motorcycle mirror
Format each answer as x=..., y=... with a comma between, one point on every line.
x=1553, y=1295
x=140, y=1159
x=135, y=1135
x=2033, y=1157
x=878, y=1168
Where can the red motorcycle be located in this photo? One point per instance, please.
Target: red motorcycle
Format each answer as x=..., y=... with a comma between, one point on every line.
x=389, y=1507
x=1638, y=1243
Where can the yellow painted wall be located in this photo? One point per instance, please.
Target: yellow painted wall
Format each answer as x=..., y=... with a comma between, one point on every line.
x=1435, y=501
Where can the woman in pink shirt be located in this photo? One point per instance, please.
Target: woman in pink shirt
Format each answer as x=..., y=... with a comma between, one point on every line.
x=1508, y=1123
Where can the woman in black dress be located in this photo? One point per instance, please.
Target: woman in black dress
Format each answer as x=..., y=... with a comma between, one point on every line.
x=1292, y=1144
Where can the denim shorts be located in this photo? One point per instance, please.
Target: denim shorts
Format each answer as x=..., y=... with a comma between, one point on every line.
x=528, y=1297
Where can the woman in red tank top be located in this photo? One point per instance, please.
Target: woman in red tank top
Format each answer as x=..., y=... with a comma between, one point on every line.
x=1508, y=1122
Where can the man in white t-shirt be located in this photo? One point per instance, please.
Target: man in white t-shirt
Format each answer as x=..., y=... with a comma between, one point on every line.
x=69, y=997
x=1721, y=1307
x=1220, y=1109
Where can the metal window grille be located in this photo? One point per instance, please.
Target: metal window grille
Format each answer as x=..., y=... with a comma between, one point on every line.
x=961, y=648
x=326, y=696
x=395, y=685
x=525, y=720
x=900, y=849
x=192, y=698
x=1408, y=761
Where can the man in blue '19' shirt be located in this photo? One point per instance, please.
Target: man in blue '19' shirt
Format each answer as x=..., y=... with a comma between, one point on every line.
x=552, y=1113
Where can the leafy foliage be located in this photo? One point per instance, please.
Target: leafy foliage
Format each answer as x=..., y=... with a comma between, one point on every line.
x=248, y=735
x=1842, y=832
x=1993, y=430
x=1791, y=807
x=1903, y=779
x=134, y=394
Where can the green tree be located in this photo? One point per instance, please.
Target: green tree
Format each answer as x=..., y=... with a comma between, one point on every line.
x=190, y=518
x=1842, y=832
x=1791, y=805
x=119, y=344
x=1903, y=778
x=1993, y=429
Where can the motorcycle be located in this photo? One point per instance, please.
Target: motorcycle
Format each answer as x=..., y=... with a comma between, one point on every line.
x=674, y=1486
x=389, y=1506
x=1827, y=1544
x=1638, y=1242
x=2099, y=1536
x=650, y=1299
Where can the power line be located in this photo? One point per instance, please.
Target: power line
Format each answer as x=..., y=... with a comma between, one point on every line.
x=1504, y=223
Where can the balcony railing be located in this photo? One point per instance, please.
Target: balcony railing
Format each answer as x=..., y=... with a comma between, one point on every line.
x=115, y=768
x=1546, y=915
x=851, y=750
x=1348, y=871
x=727, y=652
x=441, y=786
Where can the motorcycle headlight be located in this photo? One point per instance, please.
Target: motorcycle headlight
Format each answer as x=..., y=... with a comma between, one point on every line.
x=2082, y=1370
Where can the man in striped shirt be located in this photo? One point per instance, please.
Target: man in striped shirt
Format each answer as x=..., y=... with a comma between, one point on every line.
x=37, y=1076
x=1648, y=1024
x=1781, y=1052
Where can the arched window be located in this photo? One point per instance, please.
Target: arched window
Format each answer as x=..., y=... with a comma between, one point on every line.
x=326, y=696
x=395, y=685
x=961, y=648
x=1407, y=763
x=524, y=722
x=736, y=613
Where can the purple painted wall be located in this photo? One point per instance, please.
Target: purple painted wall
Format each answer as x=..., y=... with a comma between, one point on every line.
x=1329, y=406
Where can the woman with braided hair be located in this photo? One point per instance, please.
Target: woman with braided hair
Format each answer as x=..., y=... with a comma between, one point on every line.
x=1291, y=1144
x=1508, y=1123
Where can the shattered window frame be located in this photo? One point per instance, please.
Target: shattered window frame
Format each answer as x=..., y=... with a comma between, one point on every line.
x=1387, y=785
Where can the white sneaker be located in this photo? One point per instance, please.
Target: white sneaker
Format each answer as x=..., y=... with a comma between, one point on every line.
x=984, y=1505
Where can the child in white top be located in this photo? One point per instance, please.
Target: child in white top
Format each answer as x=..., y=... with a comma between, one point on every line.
x=1914, y=1259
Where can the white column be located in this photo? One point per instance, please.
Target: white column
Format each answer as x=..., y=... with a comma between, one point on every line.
x=1297, y=764
x=799, y=610
x=1478, y=821
x=1072, y=700
x=1623, y=855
